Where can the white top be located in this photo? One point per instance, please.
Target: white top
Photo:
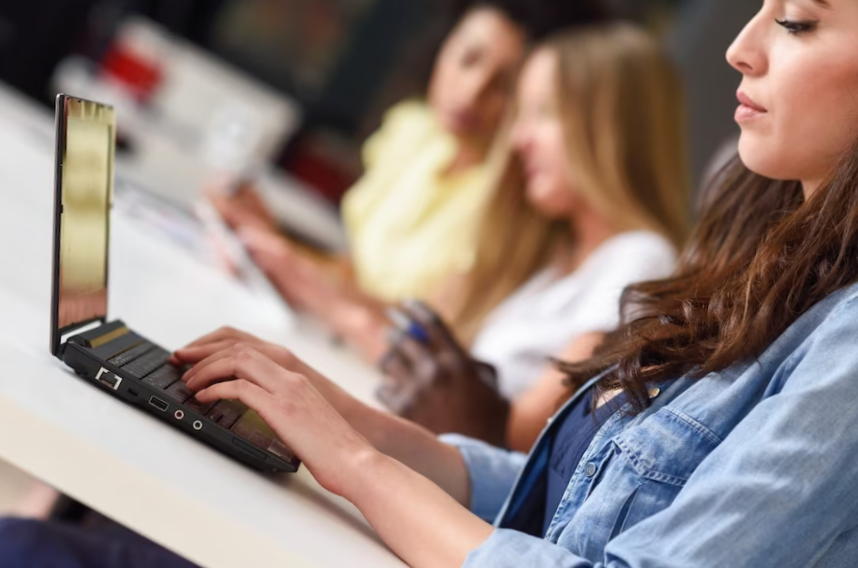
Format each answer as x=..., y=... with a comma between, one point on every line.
x=546, y=314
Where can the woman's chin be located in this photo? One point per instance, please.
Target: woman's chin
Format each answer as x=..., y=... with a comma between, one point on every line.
x=764, y=162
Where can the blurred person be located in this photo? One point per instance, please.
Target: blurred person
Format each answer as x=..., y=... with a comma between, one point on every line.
x=590, y=198
x=602, y=204
x=715, y=430
x=599, y=131
x=411, y=218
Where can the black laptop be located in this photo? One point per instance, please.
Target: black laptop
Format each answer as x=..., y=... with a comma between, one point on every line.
x=108, y=354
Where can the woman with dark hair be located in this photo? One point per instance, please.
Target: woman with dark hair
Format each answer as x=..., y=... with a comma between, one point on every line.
x=714, y=430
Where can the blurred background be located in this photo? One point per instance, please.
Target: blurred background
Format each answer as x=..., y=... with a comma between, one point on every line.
x=322, y=70
x=289, y=88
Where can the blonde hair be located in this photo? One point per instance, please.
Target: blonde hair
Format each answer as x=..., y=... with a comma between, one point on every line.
x=622, y=110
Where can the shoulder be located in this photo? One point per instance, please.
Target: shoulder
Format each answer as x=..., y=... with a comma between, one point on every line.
x=839, y=310
x=411, y=118
x=635, y=255
x=648, y=243
x=404, y=126
x=408, y=111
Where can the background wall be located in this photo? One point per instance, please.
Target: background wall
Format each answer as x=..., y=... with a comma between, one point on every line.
x=699, y=41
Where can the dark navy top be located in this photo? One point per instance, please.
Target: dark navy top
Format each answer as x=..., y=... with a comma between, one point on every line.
x=570, y=441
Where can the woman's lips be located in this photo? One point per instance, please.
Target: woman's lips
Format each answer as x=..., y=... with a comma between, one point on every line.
x=748, y=109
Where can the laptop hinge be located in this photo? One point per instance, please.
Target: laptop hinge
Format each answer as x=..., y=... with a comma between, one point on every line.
x=80, y=331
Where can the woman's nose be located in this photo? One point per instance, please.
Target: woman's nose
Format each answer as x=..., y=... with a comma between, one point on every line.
x=747, y=52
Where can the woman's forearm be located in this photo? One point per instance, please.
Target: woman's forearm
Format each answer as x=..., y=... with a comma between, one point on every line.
x=416, y=518
x=402, y=440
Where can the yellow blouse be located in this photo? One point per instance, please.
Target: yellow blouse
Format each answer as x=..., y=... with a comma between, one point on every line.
x=410, y=228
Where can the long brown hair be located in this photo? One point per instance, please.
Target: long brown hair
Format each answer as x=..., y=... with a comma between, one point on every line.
x=761, y=257
x=620, y=103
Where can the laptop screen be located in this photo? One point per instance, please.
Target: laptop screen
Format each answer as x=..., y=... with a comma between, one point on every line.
x=85, y=152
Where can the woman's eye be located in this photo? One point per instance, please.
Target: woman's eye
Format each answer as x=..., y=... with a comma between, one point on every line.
x=794, y=27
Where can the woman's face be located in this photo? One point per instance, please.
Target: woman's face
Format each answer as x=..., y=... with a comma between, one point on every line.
x=475, y=74
x=539, y=138
x=799, y=94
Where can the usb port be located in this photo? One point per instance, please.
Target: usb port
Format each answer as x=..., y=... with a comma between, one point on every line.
x=159, y=404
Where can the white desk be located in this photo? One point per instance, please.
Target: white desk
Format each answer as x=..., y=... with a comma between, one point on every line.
x=171, y=171
x=122, y=462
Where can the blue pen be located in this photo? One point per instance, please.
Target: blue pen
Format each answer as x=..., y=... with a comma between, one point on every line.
x=407, y=325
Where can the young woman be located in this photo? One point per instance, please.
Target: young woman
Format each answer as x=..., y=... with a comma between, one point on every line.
x=599, y=132
x=410, y=218
x=733, y=444
x=590, y=197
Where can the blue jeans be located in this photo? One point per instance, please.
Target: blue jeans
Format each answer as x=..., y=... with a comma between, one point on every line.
x=36, y=544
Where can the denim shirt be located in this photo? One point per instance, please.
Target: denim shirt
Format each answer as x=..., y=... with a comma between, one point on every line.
x=755, y=465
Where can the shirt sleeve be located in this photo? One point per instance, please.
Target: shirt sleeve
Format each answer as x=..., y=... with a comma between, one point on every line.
x=492, y=472
x=778, y=491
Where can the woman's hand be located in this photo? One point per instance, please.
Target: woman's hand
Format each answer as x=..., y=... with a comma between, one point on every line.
x=243, y=208
x=434, y=382
x=227, y=338
x=309, y=286
x=287, y=401
x=302, y=282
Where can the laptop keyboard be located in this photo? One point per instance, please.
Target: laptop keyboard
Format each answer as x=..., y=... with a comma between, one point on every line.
x=149, y=363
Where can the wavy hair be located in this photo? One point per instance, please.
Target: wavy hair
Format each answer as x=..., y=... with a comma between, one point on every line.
x=760, y=257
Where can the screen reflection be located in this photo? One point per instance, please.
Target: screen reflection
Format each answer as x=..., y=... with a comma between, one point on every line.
x=87, y=186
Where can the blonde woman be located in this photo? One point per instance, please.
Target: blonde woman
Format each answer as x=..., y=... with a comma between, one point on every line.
x=599, y=135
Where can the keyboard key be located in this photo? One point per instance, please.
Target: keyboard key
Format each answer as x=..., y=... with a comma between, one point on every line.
x=130, y=354
x=179, y=392
x=163, y=377
x=226, y=413
x=148, y=363
x=203, y=409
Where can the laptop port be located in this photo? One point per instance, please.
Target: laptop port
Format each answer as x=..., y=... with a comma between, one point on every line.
x=105, y=378
x=159, y=404
x=179, y=415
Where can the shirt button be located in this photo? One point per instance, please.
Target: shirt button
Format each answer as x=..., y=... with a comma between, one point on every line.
x=590, y=470
x=654, y=392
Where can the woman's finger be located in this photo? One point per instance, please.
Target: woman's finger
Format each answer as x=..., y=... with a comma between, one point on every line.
x=222, y=335
x=261, y=241
x=249, y=394
x=194, y=354
x=240, y=362
x=214, y=357
x=218, y=335
x=399, y=398
x=395, y=365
